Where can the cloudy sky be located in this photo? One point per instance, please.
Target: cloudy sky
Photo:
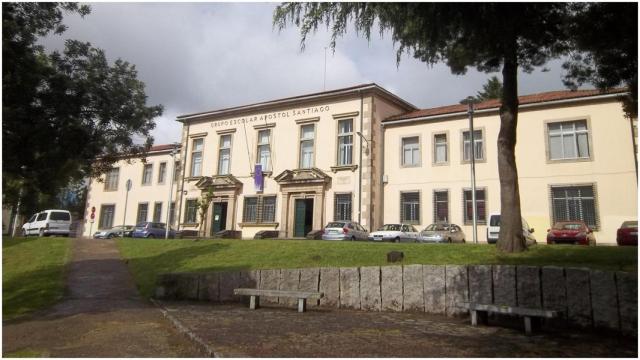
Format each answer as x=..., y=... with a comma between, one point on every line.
x=204, y=56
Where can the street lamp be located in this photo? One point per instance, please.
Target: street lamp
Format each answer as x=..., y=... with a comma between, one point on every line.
x=365, y=139
x=126, y=199
x=172, y=174
x=473, y=172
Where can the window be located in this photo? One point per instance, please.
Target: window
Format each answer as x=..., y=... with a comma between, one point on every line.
x=143, y=210
x=345, y=142
x=568, y=140
x=196, y=157
x=162, y=172
x=111, y=180
x=481, y=215
x=172, y=213
x=176, y=171
x=342, y=207
x=411, y=151
x=259, y=209
x=157, y=212
x=224, y=158
x=190, y=215
x=441, y=206
x=264, y=149
x=478, y=147
x=147, y=173
x=42, y=216
x=307, y=137
x=410, y=207
x=440, y=147
x=574, y=203
x=107, y=213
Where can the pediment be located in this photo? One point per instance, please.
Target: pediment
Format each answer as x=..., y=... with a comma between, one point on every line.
x=218, y=181
x=311, y=175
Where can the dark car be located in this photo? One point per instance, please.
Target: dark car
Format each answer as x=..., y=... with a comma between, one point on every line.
x=570, y=232
x=149, y=229
x=628, y=233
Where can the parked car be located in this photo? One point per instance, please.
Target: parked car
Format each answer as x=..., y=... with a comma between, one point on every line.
x=493, y=230
x=570, y=232
x=48, y=222
x=395, y=233
x=441, y=233
x=114, y=231
x=628, y=233
x=149, y=229
x=344, y=230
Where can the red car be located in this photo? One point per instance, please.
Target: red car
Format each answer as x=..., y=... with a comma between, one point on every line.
x=570, y=232
x=628, y=233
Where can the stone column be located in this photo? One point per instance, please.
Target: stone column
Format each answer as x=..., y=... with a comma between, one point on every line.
x=283, y=215
x=231, y=211
x=318, y=207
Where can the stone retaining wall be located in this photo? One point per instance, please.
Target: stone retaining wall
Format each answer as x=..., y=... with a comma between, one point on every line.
x=589, y=298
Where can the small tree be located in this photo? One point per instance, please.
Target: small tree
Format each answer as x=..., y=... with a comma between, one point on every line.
x=203, y=208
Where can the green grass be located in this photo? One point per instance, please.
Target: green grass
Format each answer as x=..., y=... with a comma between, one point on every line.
x=32, y=273
x=148, y=258
x=24, y=353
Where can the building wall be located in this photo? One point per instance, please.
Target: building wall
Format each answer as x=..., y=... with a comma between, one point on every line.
x=610, y=168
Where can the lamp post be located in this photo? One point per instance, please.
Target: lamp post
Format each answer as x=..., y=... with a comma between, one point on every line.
x=126, y=199
x=473, y=173
x=173, y=161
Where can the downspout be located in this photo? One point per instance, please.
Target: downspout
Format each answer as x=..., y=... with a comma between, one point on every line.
x=370, y=145
x=633, y=147
x=382, y=141
x=183, y=160
x=360, y=167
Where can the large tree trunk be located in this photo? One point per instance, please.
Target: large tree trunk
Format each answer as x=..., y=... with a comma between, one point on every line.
x=511, y=238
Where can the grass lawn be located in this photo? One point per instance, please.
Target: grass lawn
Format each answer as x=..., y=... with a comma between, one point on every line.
x=32, y=273
x=148, y=258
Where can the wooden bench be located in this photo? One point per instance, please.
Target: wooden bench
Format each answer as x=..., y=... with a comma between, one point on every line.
x=302, y=296
x=481, y=311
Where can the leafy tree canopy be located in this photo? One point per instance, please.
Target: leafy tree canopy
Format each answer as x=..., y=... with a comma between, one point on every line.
x=491, y=90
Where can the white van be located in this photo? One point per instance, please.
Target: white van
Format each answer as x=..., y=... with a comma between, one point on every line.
x=493, y=230
x=48, y=222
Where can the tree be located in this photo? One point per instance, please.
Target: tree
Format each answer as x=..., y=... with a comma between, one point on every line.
x=203, y=207
x=489, y=36
x=62, y=111
x=491, y=90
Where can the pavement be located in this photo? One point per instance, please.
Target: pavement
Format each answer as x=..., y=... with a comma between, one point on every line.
x=101, y=315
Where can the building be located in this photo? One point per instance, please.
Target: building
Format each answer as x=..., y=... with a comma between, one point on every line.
x=364, y=154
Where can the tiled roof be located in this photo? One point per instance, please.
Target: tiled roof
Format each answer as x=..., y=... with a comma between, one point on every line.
x=162, y=147
x=495, y=103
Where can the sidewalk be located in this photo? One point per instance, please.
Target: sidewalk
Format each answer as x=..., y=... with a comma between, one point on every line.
x=102, y=314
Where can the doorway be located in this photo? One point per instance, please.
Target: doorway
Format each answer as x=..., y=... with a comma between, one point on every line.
x=303, y=219
x=219, y=221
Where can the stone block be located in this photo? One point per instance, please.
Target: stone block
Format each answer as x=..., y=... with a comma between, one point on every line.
x=413, y=288
x=528, y=287
x=349, y=288
x=504, y=285
x=627, y=285
x=289, y=280
x=434, y=288
x=229, y=280
x=554, y=289
x=370, y=288
x=209, y=288
x=269, y=280
x=309, y=281
x=578, y=296
x=330, y=286
x=480, y=284
x=391, y=288
x=249, y=279
x=604, y=302
x=457, y=288
x=186, y=286
x=166, y=286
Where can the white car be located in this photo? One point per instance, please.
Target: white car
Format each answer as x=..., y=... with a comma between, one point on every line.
x=395, y=233
x=48, y=222
x=493, y=230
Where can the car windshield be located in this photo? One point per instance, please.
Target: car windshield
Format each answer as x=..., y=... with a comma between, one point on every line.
x=59, y=215
x=437, y=227
x=568, y=226
x=629, y=224
x=142, y=224
x=119, y=227
x=336, y=224
x=390, y=227
x=495, y=220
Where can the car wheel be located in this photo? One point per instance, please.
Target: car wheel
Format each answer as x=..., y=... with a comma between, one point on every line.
x=353, y=238
x=24, y=233
x=396, y=240
x=110, y=236
x=41, y=233
x=150, y=236
x=449, y=240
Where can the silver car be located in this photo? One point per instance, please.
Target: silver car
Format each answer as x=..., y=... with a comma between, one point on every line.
x=344, y=230
x=115, y=231
x=442, y=233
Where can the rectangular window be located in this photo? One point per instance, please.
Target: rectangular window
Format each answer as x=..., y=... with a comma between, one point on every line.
x=268, y=209
x=190, y=214
x=111, y=180
x=478, y=147
x=342, y=207
x=574, y=203
x=481, y=214
x=345, y=142
x=250, y=211
x=441, y=206
x=307, y=139
x=176, y=171
x=147, y=174
x=224, y=155
x=196, y=157
x=143, y=210
x=411, y=151
x=264, y=149
x=568, y=140
x=259, y=209
x=157, y=212
x=410, y=207
x=107, y=213
x=162, y=172
x=172, y=213
x=440, y=147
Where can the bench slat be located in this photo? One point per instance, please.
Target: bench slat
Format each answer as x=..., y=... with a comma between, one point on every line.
x=279, y=293
x=512, y=310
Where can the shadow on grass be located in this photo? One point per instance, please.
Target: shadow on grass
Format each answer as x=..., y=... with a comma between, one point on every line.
x=31, y=291
x=8, y=242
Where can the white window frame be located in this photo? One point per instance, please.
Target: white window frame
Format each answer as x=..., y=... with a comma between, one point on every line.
x=147, y=177
x=345, y=144
x=221, y=149
x=416, y=155
x=568, y=129
x=162, y=172
x=109, y=183
x=302, y=142
x=478, y=142
x=266, y=164
x=196, y=156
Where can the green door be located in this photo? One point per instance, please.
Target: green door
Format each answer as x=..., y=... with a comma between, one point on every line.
x=219, y=221
x=299, y=218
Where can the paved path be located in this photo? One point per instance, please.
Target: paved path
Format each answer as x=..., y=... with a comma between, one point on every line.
x=101, y=316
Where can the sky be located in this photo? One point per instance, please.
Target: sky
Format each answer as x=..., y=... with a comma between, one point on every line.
x=196, y=57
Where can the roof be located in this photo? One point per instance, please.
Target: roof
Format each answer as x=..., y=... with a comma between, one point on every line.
x=288, y=100
x=164, y=147
x=538, y=98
